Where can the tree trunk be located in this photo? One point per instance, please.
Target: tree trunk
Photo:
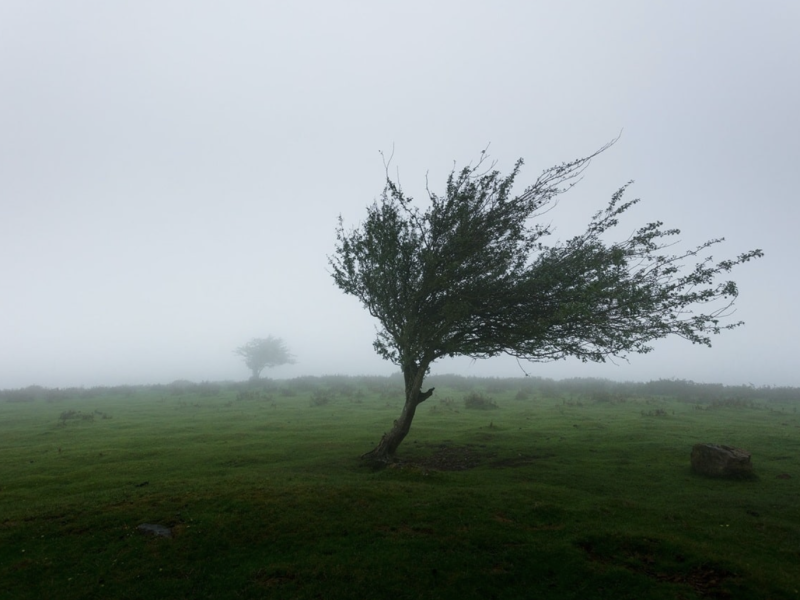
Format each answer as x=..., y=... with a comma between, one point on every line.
x=385, y=451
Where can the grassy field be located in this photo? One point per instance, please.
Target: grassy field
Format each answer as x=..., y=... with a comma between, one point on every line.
x=535, y=496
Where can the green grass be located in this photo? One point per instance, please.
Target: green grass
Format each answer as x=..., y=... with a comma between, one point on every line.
x=565, y=498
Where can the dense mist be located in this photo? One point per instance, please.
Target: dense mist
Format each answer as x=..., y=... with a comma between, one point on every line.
x=171, y=175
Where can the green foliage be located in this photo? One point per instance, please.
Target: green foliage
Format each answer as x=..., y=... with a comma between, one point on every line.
x=320, y=398
x=477, y=401
x=471, y=275
x=260, y=353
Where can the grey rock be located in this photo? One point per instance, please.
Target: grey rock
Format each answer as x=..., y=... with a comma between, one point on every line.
x=715, y=460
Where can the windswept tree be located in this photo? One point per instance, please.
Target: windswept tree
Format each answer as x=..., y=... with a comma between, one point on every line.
x=261, y=353
x=471, y=275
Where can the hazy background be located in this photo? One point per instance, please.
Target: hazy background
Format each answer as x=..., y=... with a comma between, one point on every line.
x=171, y=172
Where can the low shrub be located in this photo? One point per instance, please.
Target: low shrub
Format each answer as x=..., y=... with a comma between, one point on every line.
x=477, y=401
x=659, y=412
x=319, y=398
x=76, y=415
x=259, y=395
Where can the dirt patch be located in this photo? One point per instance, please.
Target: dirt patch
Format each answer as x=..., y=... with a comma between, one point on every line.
x=276, y=576
x=454, y=458
x=520, y=460
x=405, y=530
x=706, y=580
x=659, y=560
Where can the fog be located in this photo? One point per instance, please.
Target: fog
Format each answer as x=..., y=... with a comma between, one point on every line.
x=171, y=173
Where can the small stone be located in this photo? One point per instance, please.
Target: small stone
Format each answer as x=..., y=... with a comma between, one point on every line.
x=715, y=460
x=153, y=529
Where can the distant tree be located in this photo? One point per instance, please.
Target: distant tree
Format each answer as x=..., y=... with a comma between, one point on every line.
x=260, y=353
x=471, y=275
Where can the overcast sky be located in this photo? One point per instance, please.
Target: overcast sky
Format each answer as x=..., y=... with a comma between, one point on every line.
x=171, y=172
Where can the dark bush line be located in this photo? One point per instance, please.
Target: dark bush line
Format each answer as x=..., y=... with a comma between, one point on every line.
x=391, y=388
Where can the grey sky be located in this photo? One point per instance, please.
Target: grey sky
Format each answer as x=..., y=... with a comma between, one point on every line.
x=171, y=171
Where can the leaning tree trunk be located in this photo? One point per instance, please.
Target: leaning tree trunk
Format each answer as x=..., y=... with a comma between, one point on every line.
x=385, y=451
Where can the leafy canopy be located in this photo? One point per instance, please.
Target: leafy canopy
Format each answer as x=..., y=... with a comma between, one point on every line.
x=472, y=275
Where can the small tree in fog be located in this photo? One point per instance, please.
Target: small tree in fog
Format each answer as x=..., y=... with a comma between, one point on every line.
x=261, y=353
x=471, y=275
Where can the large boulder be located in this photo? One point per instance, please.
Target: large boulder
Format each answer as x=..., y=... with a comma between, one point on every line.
x=721, y=461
